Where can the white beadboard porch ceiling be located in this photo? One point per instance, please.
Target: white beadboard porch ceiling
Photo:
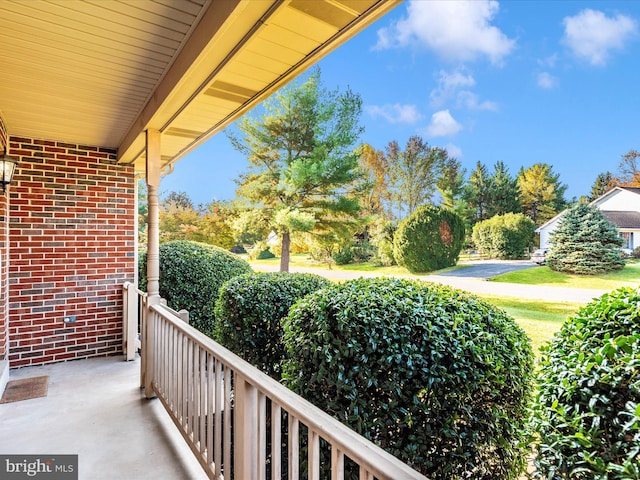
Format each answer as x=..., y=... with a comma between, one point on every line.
x=100, y=72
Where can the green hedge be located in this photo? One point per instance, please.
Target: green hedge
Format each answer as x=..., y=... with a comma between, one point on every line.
x=587, y=411
x=504, y=236
x=191, y=274
x=249, y=313
x=429, y=239
x=434, y=376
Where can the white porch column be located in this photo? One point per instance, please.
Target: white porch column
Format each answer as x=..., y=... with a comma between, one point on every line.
x=153, y=252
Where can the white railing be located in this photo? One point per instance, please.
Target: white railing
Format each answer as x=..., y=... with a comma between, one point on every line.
x=242, y=424
x=133, y=306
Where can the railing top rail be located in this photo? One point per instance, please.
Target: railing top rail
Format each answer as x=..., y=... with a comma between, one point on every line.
x=128, y=285
x=353, y=445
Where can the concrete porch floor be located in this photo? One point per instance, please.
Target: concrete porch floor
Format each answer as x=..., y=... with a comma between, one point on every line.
x=95, y=409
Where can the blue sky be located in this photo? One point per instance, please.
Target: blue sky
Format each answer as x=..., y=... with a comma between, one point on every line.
x=521, y=82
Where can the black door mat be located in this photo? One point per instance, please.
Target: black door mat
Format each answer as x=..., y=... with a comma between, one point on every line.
x=25, y=388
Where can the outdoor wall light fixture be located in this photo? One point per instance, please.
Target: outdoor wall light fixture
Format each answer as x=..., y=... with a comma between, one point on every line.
x=8, y=166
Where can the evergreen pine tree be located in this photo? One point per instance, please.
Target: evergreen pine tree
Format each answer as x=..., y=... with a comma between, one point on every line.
x=585, y=242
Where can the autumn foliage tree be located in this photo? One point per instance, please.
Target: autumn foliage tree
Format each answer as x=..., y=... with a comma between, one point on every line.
x=413, y=173
x=541, y=192
x=630, y=167
x=376, y=167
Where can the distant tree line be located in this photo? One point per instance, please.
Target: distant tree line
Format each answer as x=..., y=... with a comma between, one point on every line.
x=311, y=187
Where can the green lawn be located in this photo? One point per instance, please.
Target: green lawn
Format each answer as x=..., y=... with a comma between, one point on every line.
x=539, y=319
x=629, y=276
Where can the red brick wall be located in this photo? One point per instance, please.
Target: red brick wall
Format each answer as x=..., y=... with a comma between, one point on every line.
x=4, y=272
x=72, y=236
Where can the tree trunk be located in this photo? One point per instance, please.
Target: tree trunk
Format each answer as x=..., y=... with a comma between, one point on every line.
x=284, y=257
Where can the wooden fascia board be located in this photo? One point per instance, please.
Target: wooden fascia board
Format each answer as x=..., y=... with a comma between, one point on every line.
x=210, y=23
x=341, y=37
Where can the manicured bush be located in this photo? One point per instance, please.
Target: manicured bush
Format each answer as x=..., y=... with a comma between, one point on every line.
x=429, y=239
x=433, y=375
x=190, y=275
x=585, y=242
x=587, y=411
x=265, y=254
x=504, y=236
x=357, y=251
x=238, y=249
x=249, y=313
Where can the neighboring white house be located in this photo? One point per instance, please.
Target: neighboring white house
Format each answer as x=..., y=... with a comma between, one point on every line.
x=621, y=205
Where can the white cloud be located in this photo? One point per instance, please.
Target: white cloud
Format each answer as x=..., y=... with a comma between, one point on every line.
x=470, y=100
x=449, y=83
x=453, y=86
x=546, y=80
x=548, y=62
x=592, y=36
x=454, y=151
x=395, y=113
x=443, y=125
x=457, y=31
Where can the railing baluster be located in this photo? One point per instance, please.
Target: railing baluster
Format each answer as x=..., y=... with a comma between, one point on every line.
x=181, y=377
x=337, y=463
x=262, y=436
x=227, y=422
x=219, y=405
x=188, y=388
x=203, y=381
x=245, y=430
x=211, y=407
x=173, y=373
x=195, y=392
x=314, y=455
x=294, y=447
x=276, y=441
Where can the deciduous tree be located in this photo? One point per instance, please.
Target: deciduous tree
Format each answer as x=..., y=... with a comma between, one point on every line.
x=630, y=167
x=541, y=193
x=413, y=173
x=376, y=167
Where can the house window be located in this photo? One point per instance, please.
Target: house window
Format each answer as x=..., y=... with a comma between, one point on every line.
x=627, y=237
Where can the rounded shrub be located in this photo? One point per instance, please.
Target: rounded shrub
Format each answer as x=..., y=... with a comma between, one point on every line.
x=249, y=314
x=587, y=411
x=429, y=239
x=191, y=274
x=265, y=254
x=433, y=375
x=504, y=236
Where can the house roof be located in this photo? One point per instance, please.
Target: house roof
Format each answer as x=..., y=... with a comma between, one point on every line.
x=614, y=191
x=597, y=201
x=101, y=73
x=623, y=219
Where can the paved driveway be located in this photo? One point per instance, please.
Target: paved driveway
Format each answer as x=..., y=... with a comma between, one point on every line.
x=488, y=268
